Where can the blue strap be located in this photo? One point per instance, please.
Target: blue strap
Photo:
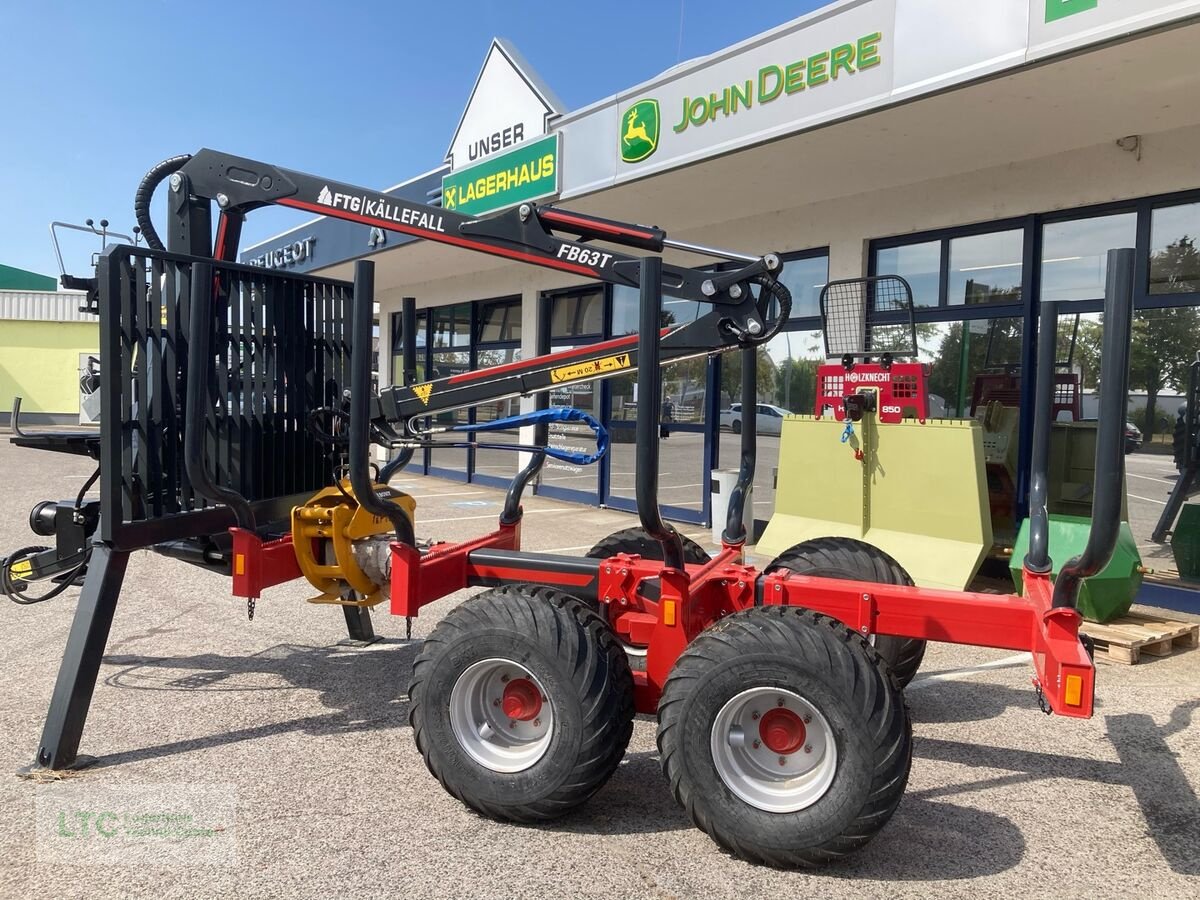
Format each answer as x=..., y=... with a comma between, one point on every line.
x=553, y=414
x=849, y=432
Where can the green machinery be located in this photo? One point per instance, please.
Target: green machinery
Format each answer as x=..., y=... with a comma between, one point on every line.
x=1185, y=542
x=1104, y=596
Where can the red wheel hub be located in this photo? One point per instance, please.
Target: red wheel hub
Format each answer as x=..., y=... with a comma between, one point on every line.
x=781, y=730
x=522, y=700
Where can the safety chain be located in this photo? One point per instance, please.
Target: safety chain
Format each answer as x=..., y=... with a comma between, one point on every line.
x=1041, y=698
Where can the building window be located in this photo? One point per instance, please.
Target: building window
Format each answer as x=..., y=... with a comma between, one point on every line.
x=577, y=314
x=627, y=305
x=398, y=346
x=805, y=277
x=958, y=353
x=1075, y=254
x=918, y=264
x=452, y=326
x=1174, y=257
x=985, y=268
x=500, y=321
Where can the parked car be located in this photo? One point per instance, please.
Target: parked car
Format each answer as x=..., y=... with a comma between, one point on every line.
x=1133, y=437
x=769, y=419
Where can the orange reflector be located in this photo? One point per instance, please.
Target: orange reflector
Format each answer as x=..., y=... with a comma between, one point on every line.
x=1073, y=694
x=239, y=564
x=668, y=612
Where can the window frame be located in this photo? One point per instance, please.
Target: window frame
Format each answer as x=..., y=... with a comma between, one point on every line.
x=1032, y=225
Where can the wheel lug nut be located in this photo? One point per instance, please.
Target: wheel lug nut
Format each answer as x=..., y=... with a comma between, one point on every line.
x=537, y=722
x=754, y=715
x=808, y=748
x=756, y=745
x=807, y=718
x=783, y=760
x=512, y=723
x=496, y=702
x=779, y=702
x=504, y=678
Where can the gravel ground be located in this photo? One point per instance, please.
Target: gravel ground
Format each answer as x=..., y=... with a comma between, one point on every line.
x=308, y=744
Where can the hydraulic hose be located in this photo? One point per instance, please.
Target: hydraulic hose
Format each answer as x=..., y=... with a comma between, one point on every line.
x=779, y=291
x=145, y=193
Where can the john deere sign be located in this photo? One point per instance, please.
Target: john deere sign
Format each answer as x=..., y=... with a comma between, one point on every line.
x=639, y=131
x=529, y=172
x=776, y=80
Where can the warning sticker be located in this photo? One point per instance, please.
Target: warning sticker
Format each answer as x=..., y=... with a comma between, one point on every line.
x=590, y=369
x=423, y=391
x=21, y=569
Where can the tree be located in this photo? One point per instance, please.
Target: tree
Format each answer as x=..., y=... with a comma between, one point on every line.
x=1087, y=351
x=731, y=374
x=1163, y=342
x=1176, y=269
x=796, y=385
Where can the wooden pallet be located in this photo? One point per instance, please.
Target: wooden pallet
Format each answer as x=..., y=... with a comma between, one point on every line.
x=1124, y=640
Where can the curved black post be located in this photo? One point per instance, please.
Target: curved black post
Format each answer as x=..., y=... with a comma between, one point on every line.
x=1038, y=558
x=511, y=514
x=649, y=412
x=1110, y=432
x=541, y=432
x=735, y=529
x=408, y=352
x=360, y=404
x=199, y=366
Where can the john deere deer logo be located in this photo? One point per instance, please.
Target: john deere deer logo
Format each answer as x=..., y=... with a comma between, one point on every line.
x=639, y=131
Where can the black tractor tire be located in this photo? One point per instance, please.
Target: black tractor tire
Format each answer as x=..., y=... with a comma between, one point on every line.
x=858, y=561
x=800, y=654
x=586, y=683
x=736, y=427
x=636, y=541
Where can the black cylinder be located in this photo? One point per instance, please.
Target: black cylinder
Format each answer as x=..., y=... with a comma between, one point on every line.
x=361, y=314
x=1109, y=483
x=649, y=412
x=41, y=518
x=735, y=527
x=1038, y=558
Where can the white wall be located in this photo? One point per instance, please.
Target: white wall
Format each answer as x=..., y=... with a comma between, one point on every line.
x=1096, y=174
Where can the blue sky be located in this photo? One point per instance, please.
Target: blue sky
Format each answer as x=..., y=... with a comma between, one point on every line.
x=94, y=93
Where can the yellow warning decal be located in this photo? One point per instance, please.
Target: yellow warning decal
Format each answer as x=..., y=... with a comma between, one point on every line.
x=423, y=391
x=21, y=569
x=590, y=369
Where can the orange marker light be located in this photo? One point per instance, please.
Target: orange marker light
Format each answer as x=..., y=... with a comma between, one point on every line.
x=668, y=612
x=1073, y=695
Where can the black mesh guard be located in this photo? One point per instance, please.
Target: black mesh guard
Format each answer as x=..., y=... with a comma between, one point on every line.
x=281, y=348
x=864, y=317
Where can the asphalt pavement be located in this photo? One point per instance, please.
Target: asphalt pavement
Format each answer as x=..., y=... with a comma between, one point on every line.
x=308, y=744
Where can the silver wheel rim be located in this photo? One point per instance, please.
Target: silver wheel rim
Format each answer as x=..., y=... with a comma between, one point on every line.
x=773, y=780
x=490, y=736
